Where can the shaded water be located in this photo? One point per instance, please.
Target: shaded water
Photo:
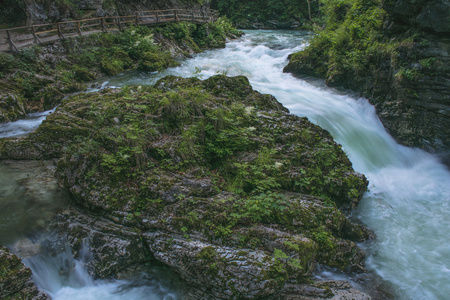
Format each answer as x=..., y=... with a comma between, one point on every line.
x=29, y=198
x=407, y=204
x=408, y=201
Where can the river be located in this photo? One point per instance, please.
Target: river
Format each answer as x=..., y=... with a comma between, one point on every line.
x=408, y=201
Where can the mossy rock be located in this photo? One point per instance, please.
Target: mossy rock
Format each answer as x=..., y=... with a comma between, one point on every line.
x=82, y=74
x=12, y=107
x=210, y=161
x=15, y=279
x=156, y=61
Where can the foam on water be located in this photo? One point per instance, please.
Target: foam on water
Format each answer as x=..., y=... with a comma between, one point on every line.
x=408, y=202
x=22, y=127
x=63, y=277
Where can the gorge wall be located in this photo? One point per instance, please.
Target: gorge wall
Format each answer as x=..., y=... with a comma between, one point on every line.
x=395, y=54
x=45, y=11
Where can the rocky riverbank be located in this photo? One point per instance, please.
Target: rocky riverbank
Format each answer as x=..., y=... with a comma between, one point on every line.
x=38, y=78
x=399, y=61
x=211, y=179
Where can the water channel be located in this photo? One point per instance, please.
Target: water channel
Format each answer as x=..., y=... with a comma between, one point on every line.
x=407, y=204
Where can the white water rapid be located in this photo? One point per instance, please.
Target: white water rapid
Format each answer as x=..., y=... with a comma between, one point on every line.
x=408, y=202
x=22, y=127
x=64, y=278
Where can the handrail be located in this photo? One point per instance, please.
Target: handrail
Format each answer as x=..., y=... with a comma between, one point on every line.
x=11, y=39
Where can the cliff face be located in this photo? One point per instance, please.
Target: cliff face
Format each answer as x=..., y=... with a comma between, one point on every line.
x=403, y=71
x=44, y=11
x=431, y=15
x=416, y=107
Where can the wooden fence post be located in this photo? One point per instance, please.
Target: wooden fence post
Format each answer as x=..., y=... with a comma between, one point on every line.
x=137, y=19
x=79, y=28
x=157, y=17
x=120, y=24
x=61, y=36
x=12, y=46
x=36, y=38
x=176, y=16
x=102, y=23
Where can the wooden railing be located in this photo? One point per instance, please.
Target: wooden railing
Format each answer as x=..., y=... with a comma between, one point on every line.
x=12, y=39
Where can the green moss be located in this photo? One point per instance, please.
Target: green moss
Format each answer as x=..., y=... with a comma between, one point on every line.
x=156, y=61
x=83, y=74
x=207, y=253
x=211, y=158
x=28, y=76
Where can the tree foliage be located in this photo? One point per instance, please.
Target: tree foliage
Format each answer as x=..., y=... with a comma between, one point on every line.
x=268, y=10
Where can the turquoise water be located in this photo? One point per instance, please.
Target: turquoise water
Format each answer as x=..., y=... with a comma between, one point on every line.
x=407, y=204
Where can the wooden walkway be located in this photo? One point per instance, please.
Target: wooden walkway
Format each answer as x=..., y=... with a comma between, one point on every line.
x=13, y=39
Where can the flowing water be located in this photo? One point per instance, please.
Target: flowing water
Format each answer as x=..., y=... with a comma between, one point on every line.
x=407, y=204
x=22, y=127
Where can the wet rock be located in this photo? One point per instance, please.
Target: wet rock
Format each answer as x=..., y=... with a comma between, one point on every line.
x=113, y=249
x=212, y=179
x=435, y=15
x=15, y=279
x=429, y=15
x=336, y=290
x=215, y=270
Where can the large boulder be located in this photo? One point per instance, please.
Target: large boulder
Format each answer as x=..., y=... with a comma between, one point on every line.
x=210, y=178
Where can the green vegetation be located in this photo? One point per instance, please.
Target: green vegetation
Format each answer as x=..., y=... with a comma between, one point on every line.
x=284, y=11
x=209, y=157
x=353, y=45
x=32, y=81
x=12, y=12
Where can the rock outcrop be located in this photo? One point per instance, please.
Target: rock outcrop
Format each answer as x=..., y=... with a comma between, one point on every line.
x=211, y=179
x=15, y=279
x=406, y=78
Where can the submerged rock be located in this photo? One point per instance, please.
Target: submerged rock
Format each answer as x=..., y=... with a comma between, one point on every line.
x=209, y=178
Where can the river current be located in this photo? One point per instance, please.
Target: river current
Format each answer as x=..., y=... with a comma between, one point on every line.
x=407, y=204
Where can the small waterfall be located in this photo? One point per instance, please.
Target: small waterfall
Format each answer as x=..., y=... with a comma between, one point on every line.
x=24, y=126
x=63, y=277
